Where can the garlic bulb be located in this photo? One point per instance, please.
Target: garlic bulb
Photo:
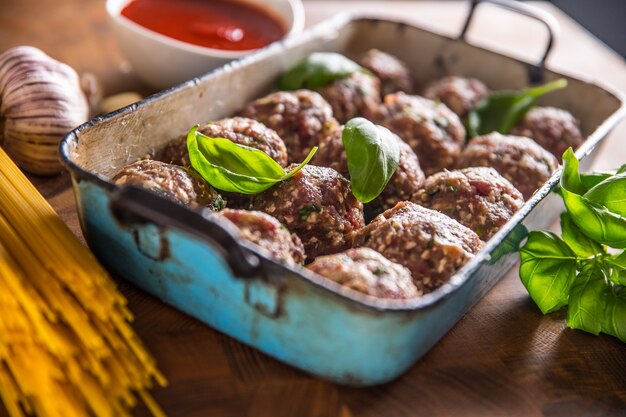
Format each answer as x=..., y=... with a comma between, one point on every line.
x=40, y=101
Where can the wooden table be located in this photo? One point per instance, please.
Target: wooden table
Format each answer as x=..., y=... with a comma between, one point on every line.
x=502, y=359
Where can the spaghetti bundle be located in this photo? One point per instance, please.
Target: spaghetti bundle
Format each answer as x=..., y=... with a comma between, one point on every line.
x=66, y=348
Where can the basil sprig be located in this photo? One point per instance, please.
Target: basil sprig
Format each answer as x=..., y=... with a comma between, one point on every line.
x=504, y=109
x=228, y=166
x=373, y=155
x=578, y=269
x=317, y=70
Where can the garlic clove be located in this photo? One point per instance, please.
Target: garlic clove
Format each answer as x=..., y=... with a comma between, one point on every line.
x=40, y=101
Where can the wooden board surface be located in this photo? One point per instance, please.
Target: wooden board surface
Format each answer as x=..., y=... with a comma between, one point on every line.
x=502, y=359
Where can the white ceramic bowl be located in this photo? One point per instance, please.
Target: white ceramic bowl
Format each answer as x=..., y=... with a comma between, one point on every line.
x=163, y=62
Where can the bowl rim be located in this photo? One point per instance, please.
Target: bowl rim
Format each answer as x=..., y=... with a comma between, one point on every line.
x=114, y=8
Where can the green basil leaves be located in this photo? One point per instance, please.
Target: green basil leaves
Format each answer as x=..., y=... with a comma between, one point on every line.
x=373, y=156
x=317, y=70
x=228, y=166
x=547, y=270
x=578, y=270
x=503, y=110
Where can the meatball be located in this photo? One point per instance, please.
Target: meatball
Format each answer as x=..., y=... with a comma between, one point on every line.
x=182, y=186
x=393, y=73
x=432, y=130
x=367, y=271
x=518, y=159
x=458, y=93
x=430, y=244
x=403, y=185
x=317, y=205
x=302, y=118
x=332, y=154
x=478, y=198
x=353, y=96
x=553, y=129
x=239, y=130
x=267, y=232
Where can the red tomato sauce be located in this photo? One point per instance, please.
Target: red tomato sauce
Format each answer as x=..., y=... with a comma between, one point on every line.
x=218, y=24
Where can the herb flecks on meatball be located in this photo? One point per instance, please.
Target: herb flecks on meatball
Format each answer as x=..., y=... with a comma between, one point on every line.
x=518, y=159
x=317, y=204
x=302, y=118
x=432, y=130
x=353, y=96
x=170, y=181
x=367, y=271
x=458, y=93
x=240, y=130
x=554, y=129
x=268, y=233
x=430, y=244
x=478, y=198
x=393, y=73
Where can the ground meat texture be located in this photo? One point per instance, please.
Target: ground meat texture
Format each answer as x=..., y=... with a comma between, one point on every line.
x=170, y=181
x=353, y=96
x=239, y=130
x=393, y=73
x=432, y=130
x=403, y=185
x=317, y=205
x=553, y=129
x=430, y=244
x=478, y=198
x=302, y=118
x=518, y=159
x=267, y=232
x=331, y=154
x=367, y=271
x=458, y=93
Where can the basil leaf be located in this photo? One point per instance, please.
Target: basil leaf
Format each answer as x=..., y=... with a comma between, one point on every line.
x=617, y=264
x=503, y=110
x=593, y=219
x=577, y=240
x=317, y=70
x=373, y=155
x=587, y=302
x=236, y=168
x=547, y=270
x=614, y=322
x=610, y=193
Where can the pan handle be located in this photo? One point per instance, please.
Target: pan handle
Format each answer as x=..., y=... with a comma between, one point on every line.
x=135, y=205
x=551, y=24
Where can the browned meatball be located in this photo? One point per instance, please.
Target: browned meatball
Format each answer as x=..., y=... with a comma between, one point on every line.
x=353, y=96
x=332, y=154
x=554, y=129
x=432, y=130
x=458, y=93
x=239, y=130
x=393, y=73
x=430, y=244
x=403, y=185
x=518, y=159
x=268, y=233
x=302, y=118
x=478, y=198
x=170, y=181
x=317, y=205
x=367, y=271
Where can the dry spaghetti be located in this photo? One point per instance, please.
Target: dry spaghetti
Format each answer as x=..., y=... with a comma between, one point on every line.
x=66, y=348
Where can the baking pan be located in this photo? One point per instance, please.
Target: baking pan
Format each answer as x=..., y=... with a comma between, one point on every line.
x=200, y=267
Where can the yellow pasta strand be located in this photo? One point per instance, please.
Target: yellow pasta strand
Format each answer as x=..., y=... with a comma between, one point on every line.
x=66, y=348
